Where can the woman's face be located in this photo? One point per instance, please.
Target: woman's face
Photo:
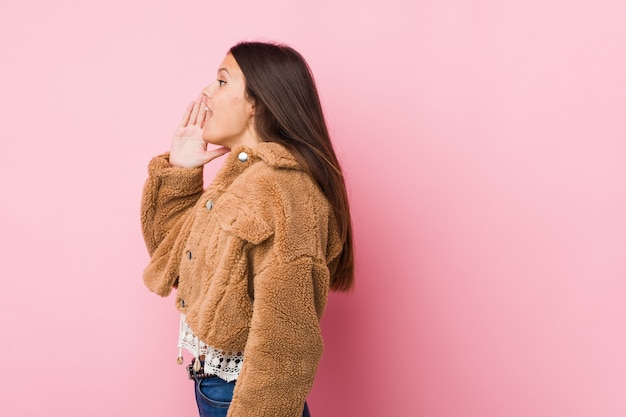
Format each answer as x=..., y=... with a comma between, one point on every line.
x=229, y=119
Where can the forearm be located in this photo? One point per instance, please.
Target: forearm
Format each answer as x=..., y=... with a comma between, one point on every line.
x=168, y=193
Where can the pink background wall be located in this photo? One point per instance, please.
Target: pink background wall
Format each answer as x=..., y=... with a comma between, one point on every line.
x=485, y=146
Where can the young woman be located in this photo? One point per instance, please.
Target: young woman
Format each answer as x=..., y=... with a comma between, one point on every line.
x=254, y=255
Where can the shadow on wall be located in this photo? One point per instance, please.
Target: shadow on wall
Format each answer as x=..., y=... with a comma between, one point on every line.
x=344, y=365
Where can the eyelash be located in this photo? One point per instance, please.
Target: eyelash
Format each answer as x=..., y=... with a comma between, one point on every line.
x=221, y=82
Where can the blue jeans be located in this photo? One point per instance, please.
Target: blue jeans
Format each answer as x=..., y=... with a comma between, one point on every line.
x=213, y=396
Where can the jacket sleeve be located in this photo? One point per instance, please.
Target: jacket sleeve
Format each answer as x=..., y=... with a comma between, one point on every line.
x=290, y=284
x=284, y=344
x=168, y=193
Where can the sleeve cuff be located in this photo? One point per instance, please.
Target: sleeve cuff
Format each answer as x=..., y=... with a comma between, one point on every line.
x=175, y=178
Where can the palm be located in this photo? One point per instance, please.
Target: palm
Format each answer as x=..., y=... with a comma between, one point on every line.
x=188, y=131
x=188, y=148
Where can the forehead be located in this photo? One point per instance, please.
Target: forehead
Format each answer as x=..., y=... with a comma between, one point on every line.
x=230, y=65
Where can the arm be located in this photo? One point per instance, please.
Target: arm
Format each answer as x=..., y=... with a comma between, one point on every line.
x=290, y=281
x=172, y=189
x=284, y=344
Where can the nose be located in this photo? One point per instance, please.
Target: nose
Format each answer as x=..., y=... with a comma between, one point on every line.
x=209, y=89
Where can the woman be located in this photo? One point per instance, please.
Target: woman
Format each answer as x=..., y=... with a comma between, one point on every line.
x=254, y=255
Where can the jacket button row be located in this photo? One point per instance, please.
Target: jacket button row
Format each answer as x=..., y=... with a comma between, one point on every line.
x=243, y=157
x=209, y=204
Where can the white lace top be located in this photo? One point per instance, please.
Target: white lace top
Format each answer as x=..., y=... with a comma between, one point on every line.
x=225, y=365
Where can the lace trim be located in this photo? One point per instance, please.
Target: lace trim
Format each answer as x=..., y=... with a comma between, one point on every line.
x=225, y=365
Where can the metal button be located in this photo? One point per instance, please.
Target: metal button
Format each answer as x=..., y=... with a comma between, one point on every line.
x=243, y=157
x=189, y=254
x=209, y=204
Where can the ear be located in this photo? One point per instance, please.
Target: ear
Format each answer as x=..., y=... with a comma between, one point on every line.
x=251, y=113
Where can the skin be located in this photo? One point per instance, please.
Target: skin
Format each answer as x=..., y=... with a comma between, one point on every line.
x=221, y=115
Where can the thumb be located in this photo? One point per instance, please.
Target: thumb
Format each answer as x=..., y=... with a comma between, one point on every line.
x=214, y=153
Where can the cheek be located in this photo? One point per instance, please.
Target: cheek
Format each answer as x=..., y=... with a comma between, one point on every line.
x=239, y=110
x=230, y=112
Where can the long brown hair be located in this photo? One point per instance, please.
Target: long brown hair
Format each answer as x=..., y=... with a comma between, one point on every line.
x=288, y=111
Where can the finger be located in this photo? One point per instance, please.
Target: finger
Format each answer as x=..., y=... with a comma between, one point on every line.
x=207, y=112
x=202, y=114
x=194, y=112
x=202, y=110
x=185, y=120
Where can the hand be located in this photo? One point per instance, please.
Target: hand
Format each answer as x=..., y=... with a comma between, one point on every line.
x=188, y=148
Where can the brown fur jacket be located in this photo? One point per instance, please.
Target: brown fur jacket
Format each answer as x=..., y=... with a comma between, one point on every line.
x=252, y=257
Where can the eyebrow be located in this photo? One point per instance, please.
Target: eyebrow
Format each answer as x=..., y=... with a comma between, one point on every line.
x=223, y=69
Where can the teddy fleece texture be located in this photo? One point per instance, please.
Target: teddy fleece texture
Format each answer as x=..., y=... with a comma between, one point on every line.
x=251, y=258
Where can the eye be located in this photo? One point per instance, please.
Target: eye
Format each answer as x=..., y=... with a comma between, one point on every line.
x=221, y=82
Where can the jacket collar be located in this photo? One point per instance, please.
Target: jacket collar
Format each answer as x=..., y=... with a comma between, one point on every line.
x=273, y=154
x=241, y=157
